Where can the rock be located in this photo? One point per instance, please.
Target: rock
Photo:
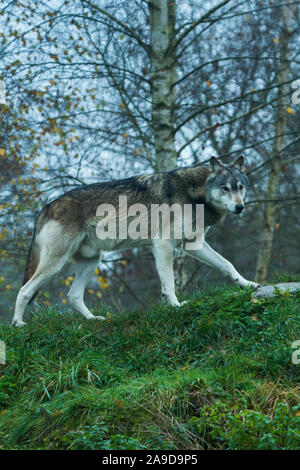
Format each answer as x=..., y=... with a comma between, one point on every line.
x=270, y=291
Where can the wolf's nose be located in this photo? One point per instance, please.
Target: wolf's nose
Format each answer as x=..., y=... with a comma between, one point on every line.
x=239, y=208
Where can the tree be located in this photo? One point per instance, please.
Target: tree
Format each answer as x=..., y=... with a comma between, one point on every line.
x=102, y=90
x=274, y=177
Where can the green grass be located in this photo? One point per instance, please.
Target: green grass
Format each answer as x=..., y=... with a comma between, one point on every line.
x=214, y=374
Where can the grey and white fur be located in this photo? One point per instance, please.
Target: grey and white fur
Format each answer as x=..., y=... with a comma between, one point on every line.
x=65, y=228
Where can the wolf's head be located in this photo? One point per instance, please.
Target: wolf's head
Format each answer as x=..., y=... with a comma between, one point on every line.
x=226, y=185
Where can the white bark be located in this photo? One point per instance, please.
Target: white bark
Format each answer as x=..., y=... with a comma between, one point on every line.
x=163, y=75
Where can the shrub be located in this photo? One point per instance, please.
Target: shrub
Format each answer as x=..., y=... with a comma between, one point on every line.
x=225, y=426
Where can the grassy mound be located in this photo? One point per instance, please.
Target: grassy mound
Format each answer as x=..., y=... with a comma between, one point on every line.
x=214, y=374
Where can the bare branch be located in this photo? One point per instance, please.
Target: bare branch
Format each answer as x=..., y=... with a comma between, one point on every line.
x=215, y=126
x=197, y=22
x=232, y=100
x=128, y=31
x=227, y=58
x=257, y=201
x=265, y=163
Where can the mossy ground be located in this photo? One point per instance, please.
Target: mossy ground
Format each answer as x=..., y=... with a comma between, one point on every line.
x=216, y=373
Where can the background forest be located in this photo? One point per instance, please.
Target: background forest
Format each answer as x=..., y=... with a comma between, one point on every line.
x=92, y=91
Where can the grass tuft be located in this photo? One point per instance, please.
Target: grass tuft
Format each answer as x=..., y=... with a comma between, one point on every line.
x=214, y=374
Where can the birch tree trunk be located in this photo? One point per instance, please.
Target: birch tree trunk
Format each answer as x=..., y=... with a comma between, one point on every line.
x=163, y=76
x=267, y=236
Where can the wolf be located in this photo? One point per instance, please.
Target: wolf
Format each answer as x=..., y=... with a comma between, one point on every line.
x=65, y=228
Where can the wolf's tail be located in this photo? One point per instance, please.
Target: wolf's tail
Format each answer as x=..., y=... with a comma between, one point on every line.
x=32, y=261
x=33, y=256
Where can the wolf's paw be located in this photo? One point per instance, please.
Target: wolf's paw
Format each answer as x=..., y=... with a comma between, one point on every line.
x=244, y=283
x=94, y=317
x=18, y=323
x=180, y=304
x=253, y=284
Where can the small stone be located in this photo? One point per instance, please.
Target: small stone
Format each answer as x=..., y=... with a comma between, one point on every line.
x=270, y=290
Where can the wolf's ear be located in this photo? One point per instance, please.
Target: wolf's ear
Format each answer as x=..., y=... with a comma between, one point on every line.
x=214, y=163
x=239, y=164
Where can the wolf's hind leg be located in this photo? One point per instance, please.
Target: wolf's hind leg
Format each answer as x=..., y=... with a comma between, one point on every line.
x=55, y=248
x=47, y=268
x=163, y=255
x=85, y=268
x=25, y=295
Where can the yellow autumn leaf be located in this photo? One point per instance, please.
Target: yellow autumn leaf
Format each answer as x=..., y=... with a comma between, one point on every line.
x=104, y=284
x=208, y=82
x=290, y=110
x=3, y=234
x=2, y=152
x=276, y=40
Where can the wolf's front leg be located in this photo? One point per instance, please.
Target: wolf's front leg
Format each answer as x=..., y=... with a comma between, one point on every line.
x=163, y=255
x=212, y=258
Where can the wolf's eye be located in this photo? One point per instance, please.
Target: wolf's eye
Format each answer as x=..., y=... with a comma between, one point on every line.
x=240, y=187
x=225, y=188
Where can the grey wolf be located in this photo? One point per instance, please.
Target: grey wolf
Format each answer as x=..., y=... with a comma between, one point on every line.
x=65, y=228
